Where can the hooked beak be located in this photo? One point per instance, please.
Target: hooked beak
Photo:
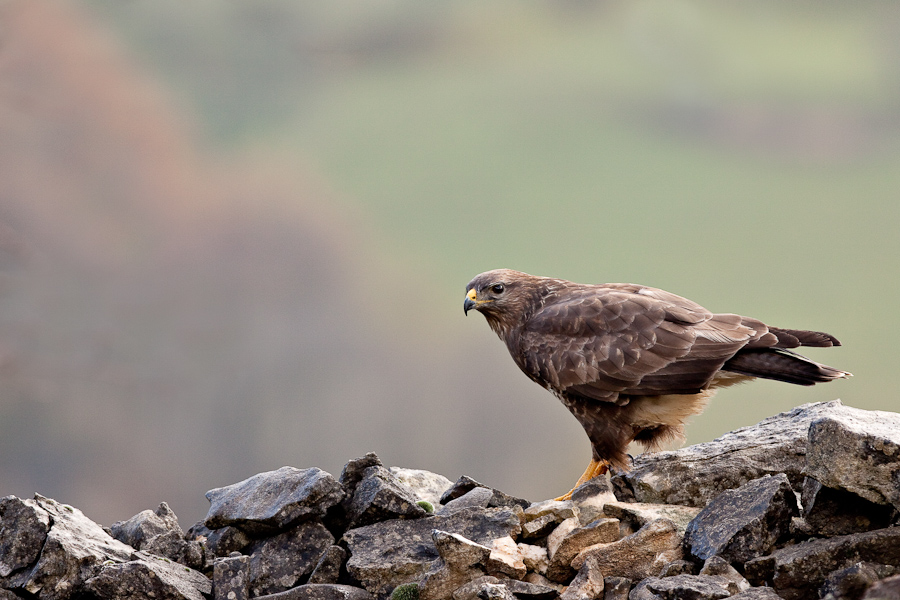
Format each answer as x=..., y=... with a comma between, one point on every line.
x=469, y=302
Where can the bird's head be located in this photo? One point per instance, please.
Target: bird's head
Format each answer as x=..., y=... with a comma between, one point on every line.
x=503, y=296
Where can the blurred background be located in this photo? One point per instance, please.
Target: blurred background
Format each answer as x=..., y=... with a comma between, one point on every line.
x=236, y=235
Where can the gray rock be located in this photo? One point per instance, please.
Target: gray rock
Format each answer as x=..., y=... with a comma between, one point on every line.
x=591, y=496
x=231, y=578
x=23, y=529
x=471, y=590
x=279, y=562
x=830, y=512
x=148, y=577
x=799, y=571
x=425, y=485
x=540, y=526
x=495, y=591
x=328, y=569
x=478, y=497
x=7, y=595
x=730, y=579
x=588, y=583
x=563, y=549
x=461, y=561
x=694, y=587
x=465, y=484
x=530, y=591
x=640, y=555
x=677, y=567
x=389, y=553
x=560, y=510
x=694, y=475
x=379, y=496
x=320, y=591
x=852, y=582
x=146, y=525
x=757, y=593
x=857, y=451
x=74, y=550
x=637, y=514
x=173, y=546
x=616, y=588
x=743, y=523
x=220, y=542
x=886, y=589
x=274, y=500
x=354, y=471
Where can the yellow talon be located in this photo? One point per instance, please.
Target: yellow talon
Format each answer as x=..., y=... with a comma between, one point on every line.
x=594, y=469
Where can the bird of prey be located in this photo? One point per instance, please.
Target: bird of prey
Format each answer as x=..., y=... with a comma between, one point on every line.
x=632, y=362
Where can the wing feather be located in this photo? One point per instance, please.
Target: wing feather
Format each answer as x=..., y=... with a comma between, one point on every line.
x=607, y=341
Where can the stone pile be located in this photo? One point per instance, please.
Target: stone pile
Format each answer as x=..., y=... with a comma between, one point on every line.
x=802, y=505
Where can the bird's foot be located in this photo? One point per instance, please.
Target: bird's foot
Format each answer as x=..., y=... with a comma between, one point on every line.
x=594, y=469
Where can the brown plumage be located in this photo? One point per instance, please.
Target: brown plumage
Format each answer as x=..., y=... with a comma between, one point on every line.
x=633, y=362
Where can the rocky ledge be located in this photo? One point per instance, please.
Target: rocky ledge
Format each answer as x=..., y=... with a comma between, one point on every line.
x=802, y=505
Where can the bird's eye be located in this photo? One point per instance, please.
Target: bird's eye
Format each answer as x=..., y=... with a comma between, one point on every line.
x=498, y=288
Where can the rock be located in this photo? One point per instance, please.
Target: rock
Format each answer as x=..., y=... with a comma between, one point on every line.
x=495, y=591
x=471, y=590
x=639, y=555
x=328, y=569
x=831, y=512
x=148, y=577
x=524, y=590
x=730, y=579
x=637, y=514
x=537, y=579
x=274, y=500
x=540, y=526
x=354, y=471
x=425, y=485
x=677, y=567
x=23, y=529
x=279, y=562
x=379, y=496
x=173, y=546
x=73, y=551
x=695, y=587
x=505, y=559
x=886, y=589
x=478, y=497
x=560, y=510
x=389, y=553
x=231, y=578
x=562, y=549
x=465, y=484
x=616, y=588
x=852, y=582
x=461, y=561
x=757, y=593
x=590, y=498
x=222, y=541
x=798, y=571
x=534, y=557
x=320, y=591
x=588, y=583
x=857, y=451
x=743, y=523
x=694, y=475
x=146, y=525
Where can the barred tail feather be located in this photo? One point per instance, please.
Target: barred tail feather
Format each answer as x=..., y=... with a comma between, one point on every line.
x=782, y=365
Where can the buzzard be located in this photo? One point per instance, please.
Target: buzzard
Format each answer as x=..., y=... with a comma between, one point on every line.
x=632, y=362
